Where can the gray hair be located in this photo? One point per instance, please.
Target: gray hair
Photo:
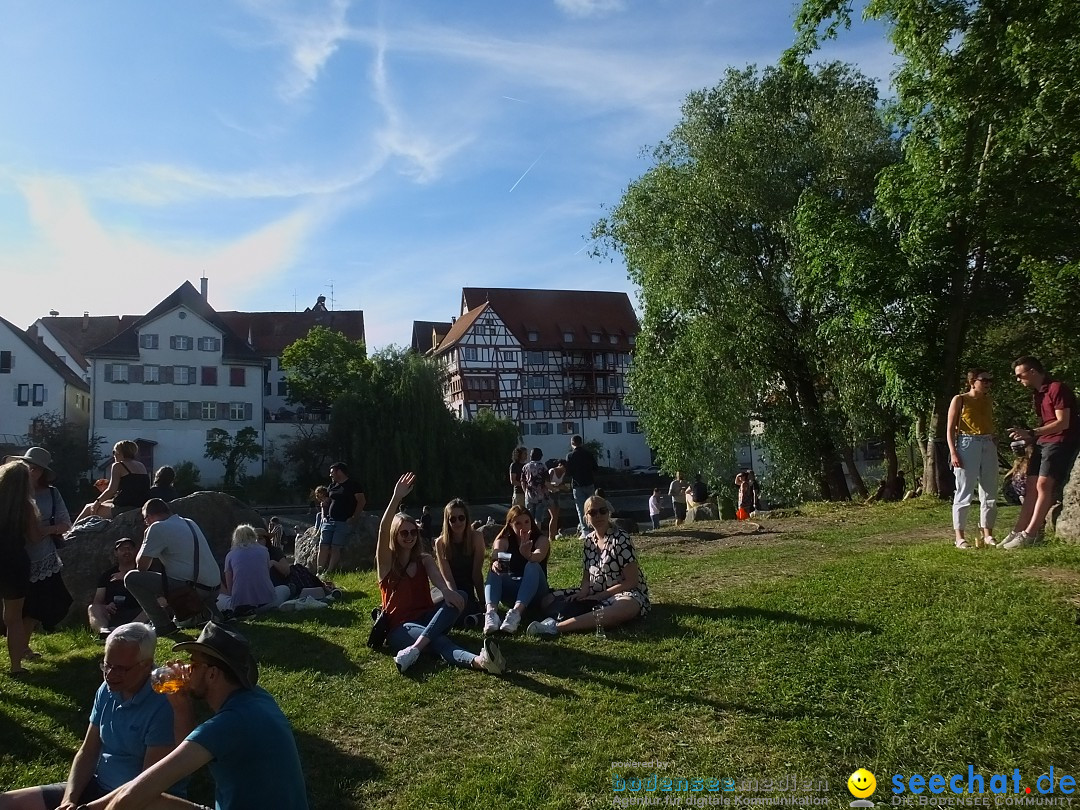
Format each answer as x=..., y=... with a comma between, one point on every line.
x=136, y=633
x=244, y=535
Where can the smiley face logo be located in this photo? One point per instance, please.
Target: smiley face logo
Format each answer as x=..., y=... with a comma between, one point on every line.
x=861, y=783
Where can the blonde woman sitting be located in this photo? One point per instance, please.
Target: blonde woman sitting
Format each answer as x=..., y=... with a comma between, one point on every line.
x=129, y=484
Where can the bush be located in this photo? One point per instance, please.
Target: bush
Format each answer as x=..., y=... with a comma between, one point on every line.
x=188, y=478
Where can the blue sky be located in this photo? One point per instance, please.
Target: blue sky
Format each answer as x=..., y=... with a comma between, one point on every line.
x=384, y=154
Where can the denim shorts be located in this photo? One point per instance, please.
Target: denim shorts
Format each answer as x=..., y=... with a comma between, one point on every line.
x=334, y=533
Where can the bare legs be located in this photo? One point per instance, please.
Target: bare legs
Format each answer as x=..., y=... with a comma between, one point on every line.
x=16, y=633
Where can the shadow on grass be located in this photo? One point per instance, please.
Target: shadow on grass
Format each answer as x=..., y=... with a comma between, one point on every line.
x=333, y=776
x=663, y=620
x=290, y=646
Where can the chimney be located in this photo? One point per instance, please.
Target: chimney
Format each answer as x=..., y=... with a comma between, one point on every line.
x=85, y=321
x=202, y=287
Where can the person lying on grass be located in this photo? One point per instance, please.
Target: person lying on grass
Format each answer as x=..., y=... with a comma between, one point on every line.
x=404, y=572
x=518, y=574
x=613, y=590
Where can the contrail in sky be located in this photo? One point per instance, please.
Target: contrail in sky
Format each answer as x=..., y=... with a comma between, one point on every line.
x=528, y=170
x=511, y=98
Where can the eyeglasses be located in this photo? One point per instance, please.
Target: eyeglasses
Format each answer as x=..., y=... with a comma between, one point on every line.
x=600, y=510
x=106, y=668
x=457, y=518
x=404, y=533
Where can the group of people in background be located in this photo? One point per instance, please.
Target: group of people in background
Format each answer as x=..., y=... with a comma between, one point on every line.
x=1045, y=454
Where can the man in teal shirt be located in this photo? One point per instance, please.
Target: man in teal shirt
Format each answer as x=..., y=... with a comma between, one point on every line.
x=248, y=743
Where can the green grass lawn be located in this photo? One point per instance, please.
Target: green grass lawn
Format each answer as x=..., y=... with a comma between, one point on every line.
x=842, y=638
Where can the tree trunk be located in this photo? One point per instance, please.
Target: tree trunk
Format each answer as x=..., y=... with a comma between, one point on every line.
x=888, y=442
x=853, y=470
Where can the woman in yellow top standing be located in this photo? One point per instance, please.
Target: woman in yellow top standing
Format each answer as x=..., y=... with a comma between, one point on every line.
x=974, y=456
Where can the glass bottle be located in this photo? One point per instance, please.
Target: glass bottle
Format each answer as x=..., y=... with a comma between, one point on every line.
x=170, y=678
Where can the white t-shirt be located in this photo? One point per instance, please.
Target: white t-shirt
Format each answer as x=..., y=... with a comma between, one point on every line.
x=654, y=504
x=169, y=540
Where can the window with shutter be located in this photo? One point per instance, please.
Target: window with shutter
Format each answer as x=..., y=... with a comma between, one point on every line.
x=209, y=375
x=6, y=360
x=39, y=394
x=22, y=394
x=236, y=376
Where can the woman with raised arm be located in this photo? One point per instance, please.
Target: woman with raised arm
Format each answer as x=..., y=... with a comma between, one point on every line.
x=405, y=573
x=518, y=574
x=460, y=552
x=613, y=588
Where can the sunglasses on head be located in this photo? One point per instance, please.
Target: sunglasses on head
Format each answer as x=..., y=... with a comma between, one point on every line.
x=983, y=379
x=600, y=510
x=457, y=518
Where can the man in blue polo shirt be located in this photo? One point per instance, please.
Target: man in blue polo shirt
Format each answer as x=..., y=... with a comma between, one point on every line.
x=248, y=743
x=131, y=728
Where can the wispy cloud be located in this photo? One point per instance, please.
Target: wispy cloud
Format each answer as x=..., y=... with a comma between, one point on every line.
x=67, y=240
x=423, y=154
x=590, y=8
x=310, y=33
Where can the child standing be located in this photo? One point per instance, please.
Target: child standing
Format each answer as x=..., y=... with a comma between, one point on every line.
x=655, y=503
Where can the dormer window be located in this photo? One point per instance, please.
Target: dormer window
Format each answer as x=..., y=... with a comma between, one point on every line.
x=595, y=337
x=612, y=339
x=568, y=337
x=533, y=336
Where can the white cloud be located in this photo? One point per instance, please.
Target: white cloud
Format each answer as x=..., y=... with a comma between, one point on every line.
x=125, y=272
x=309, y=32
x=589, y=8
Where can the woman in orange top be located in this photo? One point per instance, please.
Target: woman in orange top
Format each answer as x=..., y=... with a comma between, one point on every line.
x=405, y=572
x=973, y=454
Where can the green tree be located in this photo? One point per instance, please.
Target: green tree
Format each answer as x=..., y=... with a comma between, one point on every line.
x=233, y=451
x=984, y=202
x=321, y=367
x=709, y=235
x=74, y=452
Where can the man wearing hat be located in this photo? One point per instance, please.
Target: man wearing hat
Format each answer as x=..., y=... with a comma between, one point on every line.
x=248, y=743
x=131, y=728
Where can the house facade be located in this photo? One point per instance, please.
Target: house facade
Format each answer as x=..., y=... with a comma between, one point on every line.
x=35, y=382
x=165, y=379
x=553, y=361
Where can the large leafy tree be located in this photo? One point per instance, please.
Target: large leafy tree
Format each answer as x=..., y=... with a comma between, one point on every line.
x=984, y=202
x=322, y=366
x=731, y=330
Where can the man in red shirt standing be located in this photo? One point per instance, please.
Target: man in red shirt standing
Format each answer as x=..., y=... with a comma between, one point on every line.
x=1056, y=440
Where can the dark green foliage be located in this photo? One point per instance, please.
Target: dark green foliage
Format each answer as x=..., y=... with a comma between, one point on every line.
x=74, y=455
x=233, y=451
x=188, y=478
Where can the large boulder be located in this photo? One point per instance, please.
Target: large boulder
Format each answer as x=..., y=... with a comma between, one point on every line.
x=359, y=550
x=89, y=553
x=701, y=511
x=628, y=525
x=1068, y=522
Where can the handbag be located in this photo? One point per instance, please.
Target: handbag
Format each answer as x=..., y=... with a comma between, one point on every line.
x=379, y=631
x=185, y=600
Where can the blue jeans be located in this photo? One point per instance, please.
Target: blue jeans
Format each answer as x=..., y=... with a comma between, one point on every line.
x=655, y=521
x=435, y=625
x=582, y=494
x=511, y=590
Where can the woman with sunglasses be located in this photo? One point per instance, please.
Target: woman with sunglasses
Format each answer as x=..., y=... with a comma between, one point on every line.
x=405, y=573
x=460, y=552
x=518, y=570
x=973, y=453
x=611, y=578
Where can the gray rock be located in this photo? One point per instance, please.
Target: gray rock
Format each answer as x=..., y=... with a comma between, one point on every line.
x=626, y=524
x=1068, y=522
x=88, y=554
x=702, y=511
x=358, y=553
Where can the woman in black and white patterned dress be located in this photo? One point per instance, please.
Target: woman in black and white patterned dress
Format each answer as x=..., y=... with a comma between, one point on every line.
x=612, y=581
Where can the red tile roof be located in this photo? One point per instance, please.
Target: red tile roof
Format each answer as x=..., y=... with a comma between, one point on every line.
x=460, y=327
x=271, y=332
x=551, y=313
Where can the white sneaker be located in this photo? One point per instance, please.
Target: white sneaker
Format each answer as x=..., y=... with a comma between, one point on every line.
x=511, y=622
x=491, y=621
x=989, y=542
x=1019, y=541
x=491, y=658
x=406, y=658
x=546, y=628
x=1008, y=539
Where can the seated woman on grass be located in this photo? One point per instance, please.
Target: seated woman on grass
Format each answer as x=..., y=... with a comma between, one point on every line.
x=248, y=587
x=460, y=552
x=613, y=589
x=404, y=573
x=518, y=573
